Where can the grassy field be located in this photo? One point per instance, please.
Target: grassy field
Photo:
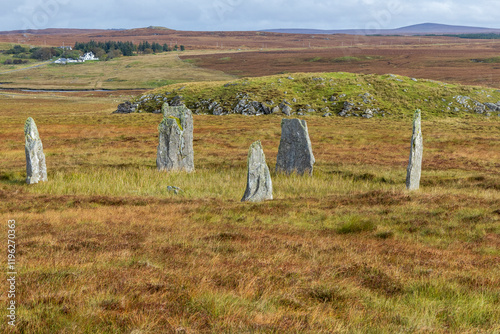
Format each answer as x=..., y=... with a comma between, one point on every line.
x=104, y=247
x=143, y=71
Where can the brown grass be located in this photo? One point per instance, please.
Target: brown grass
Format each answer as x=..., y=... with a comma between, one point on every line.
x=346, y=251
x=444, y=62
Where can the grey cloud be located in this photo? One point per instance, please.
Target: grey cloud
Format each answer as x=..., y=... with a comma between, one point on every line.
x=245, y=14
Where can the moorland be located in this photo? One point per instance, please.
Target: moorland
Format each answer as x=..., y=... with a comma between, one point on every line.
x=105, y=247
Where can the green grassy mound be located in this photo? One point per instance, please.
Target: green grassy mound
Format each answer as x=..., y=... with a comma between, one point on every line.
x=344, y=94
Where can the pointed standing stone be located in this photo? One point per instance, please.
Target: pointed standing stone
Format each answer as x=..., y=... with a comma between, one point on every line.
x=415, y=163
x=259, y=185
x=175, y=148
x=36, y=170
x=295, y=151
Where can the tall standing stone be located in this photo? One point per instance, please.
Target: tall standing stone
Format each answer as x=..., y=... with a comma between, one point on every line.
x=414, y=169
x=36, y=170
x=259, y=184
x=295, y=151
x=175, y=148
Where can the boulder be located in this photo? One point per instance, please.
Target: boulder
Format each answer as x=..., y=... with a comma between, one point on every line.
x=248, y=108
x=126, y=108
x=275, y=110
x=414, y=169
x=295, y=152
x=346, y=110
x=36, y=170
x=259, y=185
x=285, y=109
x=175, y=148
x=492, y=106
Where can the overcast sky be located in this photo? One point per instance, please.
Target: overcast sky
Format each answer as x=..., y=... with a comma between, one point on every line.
x=213, y=15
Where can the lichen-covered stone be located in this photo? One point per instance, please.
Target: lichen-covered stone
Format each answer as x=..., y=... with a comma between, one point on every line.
x=175, y=148
x=259, y=185
x=414, y=169
x=295, y=151
x=36, y=170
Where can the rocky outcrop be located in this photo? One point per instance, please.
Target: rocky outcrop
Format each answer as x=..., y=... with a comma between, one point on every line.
x=414, y=169
x=36, y=170
x=126, y=108
x=246, y=107
x=285, y=109
x=259, y=185
x=295, y=152
x=175, y=148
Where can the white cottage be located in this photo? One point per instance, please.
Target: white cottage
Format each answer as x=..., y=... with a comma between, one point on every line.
x=85, y=57
x=88, y=56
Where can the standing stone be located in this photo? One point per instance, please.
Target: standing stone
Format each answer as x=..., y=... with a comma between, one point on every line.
x=175, y=149
x=415, y=163
x=36, y=170
x=295, y=152
x=259, y=185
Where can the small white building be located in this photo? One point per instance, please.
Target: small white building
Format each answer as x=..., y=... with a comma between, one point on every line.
x=66, y=60
x=85, y=57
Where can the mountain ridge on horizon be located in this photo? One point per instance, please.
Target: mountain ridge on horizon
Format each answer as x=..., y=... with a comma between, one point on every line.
x=416, y=29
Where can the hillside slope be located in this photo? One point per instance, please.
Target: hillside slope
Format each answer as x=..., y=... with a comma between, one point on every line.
x=343, y=94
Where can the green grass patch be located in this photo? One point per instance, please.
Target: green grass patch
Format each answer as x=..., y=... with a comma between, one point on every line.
x=159, y=83
x=346, y=59
x=315, y=59
x=356, y=224
x=492, y=60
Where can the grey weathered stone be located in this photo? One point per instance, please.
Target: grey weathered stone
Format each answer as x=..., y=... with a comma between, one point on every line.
x=295, y=152
x=36, y=170
x=414, y=169
x=126, y=108
x=285, y=109
x=175, y=148
x=259, y=185
x=174, y=189
x=492, y=106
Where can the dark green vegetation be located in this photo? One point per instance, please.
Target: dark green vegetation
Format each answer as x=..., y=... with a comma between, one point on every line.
x=38, y=53
x=476, y=36
x=111, y=49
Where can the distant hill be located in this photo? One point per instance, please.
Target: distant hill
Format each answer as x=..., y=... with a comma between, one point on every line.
x=64, y=31
x=417, y=29
x=53, y=31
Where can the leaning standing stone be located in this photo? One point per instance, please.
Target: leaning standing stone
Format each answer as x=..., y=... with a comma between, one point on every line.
x=36, y=170
x=415, y=163
x=175, y=148
x=295, y=152
x=259, y=185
